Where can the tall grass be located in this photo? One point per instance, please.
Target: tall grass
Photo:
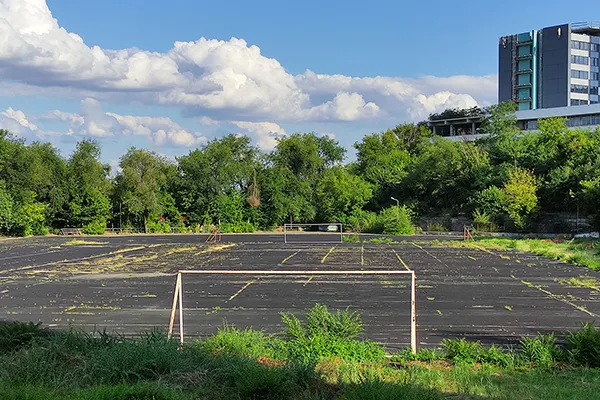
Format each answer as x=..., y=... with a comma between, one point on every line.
x=319, y=356
x=582, y=252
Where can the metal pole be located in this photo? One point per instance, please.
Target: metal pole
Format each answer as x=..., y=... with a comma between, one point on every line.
x=120, y=215
x=174, y=307
x=413, y=314
x=180, y=308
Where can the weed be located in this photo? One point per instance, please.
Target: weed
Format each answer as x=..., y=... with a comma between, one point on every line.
x=462, y=350
x=584, y=346
x=328, y=334
x=81, y=242
x=541, y=351
x=15, y=335
x=354, y=238
x=382, y=240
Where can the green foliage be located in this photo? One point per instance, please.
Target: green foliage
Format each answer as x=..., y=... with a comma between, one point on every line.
x=395, y=221
x=520, y=199
x=462, y=350
x=339, y=194
x=584, y=346
x=437, y=227
x=15, y=335
x=29, y=219
x=490, y=202
x=541, y=351
x=327, y=334
x=88, y=186
x=141, y=184
x=505, y=180
x=362, y=221
x=94, y=228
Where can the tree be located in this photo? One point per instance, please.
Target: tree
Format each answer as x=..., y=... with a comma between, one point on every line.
x=339, y=194
x=88, y=186
x=141, y=181
x=503, y=142
x=294, y=170
x=520, y=199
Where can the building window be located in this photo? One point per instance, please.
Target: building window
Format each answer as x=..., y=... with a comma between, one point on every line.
x=531, y=125
x=593, y=90
x=579, y=74
x=579, y=89
x=580, y=45
x=580, y=60
x=595, y=62
x=594, y=76
x=594, y=47
x=577, y=102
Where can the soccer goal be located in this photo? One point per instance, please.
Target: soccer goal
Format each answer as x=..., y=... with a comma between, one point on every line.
x=178, y=306
x=324, y=233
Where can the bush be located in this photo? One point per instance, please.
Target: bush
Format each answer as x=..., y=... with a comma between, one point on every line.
x=15, y=335
x=327, y=334
x=584, y=346
x=362, y=221
x=541, y=351
x=395, y=221
x=94, y=228
x=238, y=227
x=462, y=350
x=436, y=227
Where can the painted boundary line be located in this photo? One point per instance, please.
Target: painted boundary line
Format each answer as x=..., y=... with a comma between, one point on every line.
x=178, y=292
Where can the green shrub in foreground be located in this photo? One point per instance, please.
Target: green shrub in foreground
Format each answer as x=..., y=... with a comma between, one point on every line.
x=15, y=335
x=328, y=334
x=584, y=346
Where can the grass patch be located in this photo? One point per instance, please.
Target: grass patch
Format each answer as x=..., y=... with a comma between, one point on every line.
x=319, y=356
x=81, y=242
x=583, y=252
x=381, y=240
x=352, y=238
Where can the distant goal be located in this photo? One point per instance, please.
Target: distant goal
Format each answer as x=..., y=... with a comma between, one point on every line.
x=322, y=233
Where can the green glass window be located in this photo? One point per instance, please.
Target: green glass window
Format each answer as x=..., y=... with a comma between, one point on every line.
x=524, y=79
x=525, y=105
x=524, y=51
x=524, y=65
x=524, y=93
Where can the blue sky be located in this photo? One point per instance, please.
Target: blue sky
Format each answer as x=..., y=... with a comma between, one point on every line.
x=337, y=68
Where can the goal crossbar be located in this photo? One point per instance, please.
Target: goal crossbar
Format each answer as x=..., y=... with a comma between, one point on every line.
x=287, y=230
x=178, y=293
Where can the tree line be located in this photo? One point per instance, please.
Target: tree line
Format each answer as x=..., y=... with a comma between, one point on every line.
x=505, y=180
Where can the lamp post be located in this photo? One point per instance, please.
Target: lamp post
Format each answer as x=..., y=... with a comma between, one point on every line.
x=396, y=200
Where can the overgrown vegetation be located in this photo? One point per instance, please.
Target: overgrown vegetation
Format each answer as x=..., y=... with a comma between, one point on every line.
x=582, y=252
x=504, y=181
x=319, y=356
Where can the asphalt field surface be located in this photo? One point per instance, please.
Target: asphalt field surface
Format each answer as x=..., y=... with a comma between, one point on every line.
x=125, y=284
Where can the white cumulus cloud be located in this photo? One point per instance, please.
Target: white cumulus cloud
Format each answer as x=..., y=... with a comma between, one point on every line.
x=265, y=133
x=93, y=121
x=220, y=80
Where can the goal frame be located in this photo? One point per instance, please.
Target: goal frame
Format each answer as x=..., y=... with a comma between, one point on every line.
x=178, y=292
x=341, y=233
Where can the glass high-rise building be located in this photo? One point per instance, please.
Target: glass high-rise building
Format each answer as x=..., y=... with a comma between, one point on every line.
x=558, y=66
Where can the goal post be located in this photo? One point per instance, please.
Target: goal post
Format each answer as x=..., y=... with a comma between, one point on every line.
x=323, y=233
x=178, y=308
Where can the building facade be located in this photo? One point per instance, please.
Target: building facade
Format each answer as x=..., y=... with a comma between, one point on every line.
x=557, y=66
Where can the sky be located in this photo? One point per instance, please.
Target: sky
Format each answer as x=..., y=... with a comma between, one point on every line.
x=170, y=76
